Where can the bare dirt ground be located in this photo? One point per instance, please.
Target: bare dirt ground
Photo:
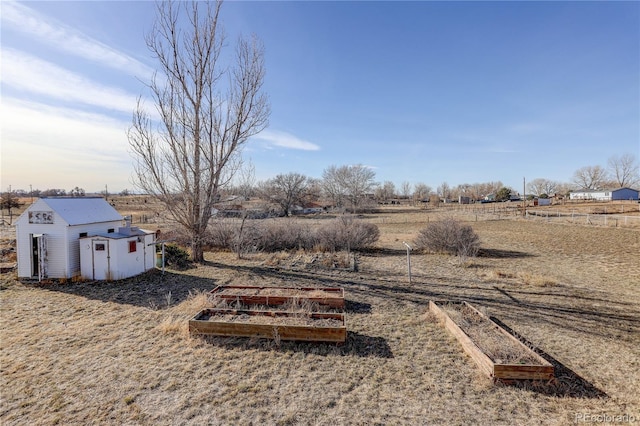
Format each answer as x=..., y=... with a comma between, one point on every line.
x=120, y=352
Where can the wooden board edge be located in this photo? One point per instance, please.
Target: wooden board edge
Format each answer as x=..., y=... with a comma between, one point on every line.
x=481, y=359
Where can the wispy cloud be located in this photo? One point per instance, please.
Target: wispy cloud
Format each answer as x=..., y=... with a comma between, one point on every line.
x=28, y=73
x=44, y=145
x=61, y=37
x=286, y=140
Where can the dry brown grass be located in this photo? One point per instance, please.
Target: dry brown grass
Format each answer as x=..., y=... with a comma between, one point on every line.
x=120, y=352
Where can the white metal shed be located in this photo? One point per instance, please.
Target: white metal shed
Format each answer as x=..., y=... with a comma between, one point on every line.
x=48, y=233
x=118, y=255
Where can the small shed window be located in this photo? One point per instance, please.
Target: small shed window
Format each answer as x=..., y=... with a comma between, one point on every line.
x=111, y=231
x=83, y=234
x=132, y=246
x=100, y=247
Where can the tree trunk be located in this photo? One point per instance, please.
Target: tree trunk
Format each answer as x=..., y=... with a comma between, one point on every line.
x=197, y=253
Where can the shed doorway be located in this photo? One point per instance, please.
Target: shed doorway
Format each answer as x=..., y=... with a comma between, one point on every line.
x=39, y=261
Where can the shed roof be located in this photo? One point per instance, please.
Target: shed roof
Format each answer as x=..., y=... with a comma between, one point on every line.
x=82, y=210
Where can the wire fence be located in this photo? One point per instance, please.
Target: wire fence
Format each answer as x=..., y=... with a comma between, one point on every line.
x=596, y=219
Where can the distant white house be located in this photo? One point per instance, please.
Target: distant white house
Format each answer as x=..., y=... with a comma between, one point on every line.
x=48, y=234
x=604, y=194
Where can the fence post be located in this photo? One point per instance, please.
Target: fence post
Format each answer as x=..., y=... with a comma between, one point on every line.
x=408, y=260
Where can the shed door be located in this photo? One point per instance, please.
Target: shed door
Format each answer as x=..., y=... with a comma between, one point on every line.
x=100, y=256
x=39, y=257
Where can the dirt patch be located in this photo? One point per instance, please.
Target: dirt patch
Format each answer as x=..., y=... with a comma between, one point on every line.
x=260, y=317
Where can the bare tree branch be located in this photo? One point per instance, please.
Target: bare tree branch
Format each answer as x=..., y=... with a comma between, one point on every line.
x=590, y=177
x=624, y=170
x=207, y=111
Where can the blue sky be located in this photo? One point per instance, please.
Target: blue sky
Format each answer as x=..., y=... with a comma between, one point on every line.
x=461, y=92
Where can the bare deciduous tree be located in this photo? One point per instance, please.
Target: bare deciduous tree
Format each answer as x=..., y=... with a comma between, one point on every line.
x=286, y=190
x=385, y=192
x=421, y=192
x=542, y=186
x=246, y=185
x=590, y=177
x=208, y=109
x=405, y=189
x=624, y=170
x=348, y=183
x=444, y=191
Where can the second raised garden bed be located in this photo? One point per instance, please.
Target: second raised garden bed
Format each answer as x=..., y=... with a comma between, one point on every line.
x=274, y=296
x=498, y=354
x=316, y=326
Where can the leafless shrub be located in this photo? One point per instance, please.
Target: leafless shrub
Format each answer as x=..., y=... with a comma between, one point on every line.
x=343, y=233
x=449, y=236
x=347, y=233
x=220, y=235
x=281, y=235
x=246, y=238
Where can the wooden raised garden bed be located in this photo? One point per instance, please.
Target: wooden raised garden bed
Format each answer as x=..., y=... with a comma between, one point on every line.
x=315, y=326
x=274, y=296
x=498, y=353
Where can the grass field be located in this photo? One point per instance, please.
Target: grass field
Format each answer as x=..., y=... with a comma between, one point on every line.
x=120, y=352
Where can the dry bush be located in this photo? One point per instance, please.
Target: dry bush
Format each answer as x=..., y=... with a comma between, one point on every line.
x=220, y=235
x=276, y=259
x=336, y=260
x=343, y=233
x=347, y=233
x=284, y=235
x=448, y=236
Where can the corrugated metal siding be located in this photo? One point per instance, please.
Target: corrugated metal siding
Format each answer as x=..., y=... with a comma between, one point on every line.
x=625, y=194
x=83, y=210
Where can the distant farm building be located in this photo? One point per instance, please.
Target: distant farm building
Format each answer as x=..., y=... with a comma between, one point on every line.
x=48, y=235
x=604, y=194
x=542, y=201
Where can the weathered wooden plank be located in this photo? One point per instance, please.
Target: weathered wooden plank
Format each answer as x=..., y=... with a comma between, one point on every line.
x=318, y=333
x=543, y=371
x=536, y=372
x=335, y=300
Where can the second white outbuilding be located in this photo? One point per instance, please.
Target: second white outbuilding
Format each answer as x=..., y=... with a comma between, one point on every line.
x=117, y=255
